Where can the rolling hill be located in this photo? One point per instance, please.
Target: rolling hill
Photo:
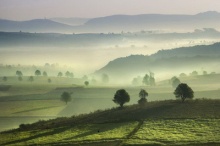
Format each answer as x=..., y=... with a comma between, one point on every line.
x=170, y=122
x=35, y=25
x=170, y=62
x=154, y=22
x=116, y=23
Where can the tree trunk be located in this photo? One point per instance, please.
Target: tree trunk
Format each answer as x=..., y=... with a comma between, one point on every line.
x=121, y=105
x=183, y=99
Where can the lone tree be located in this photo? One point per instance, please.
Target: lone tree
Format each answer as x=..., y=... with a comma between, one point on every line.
x=19, y=73
x=45, y=73
x=66, y=97
x=183, y=91
x=121, y=97
x=142, y=94
x=174, y=82
x=86, y=83
x=37, y=73
x=5, y=78
x=67, y=74
x=60, y=74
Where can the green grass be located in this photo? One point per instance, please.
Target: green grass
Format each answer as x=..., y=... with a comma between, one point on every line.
x=152, y=132
x=31, y=108
x=74, y=134
x=166, y=122
x=177, y=132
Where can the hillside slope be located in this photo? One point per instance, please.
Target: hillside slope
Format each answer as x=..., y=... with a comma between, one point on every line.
x=176, y=61
x=153, y=124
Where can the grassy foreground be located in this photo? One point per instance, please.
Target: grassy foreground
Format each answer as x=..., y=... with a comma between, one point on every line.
x=195, y=122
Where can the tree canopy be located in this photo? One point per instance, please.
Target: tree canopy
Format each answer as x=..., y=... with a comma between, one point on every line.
x=86, y=83
x=142, y=94
x=121, y=97
x=174, y=82
x=19, y=73
x=45, y=73
x=37, y=73
x=60, y=74
x=183, y=91
x=65, y=97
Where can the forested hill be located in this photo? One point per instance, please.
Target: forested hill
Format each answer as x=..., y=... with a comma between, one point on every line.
x=202, y=50
x=172, y=61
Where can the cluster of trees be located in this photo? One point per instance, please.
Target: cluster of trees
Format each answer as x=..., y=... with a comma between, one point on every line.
x=67, y=74
x=182, y=91
x=195, y=73
x=146, y=80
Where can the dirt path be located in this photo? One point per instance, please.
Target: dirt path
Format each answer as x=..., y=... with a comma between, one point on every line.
x=132, y=133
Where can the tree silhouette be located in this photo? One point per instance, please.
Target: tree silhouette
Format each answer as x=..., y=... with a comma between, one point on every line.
x=60, y=74
x=71, y=75
x=66, y=97
x=67, y=74
x=5, y=78
x=142, y=94
x=174, y=82
x=86, y=83
x=121, y=97
x=194, y=73
x=45, y=73
x=183, y=91
x=37, y=73
x=182, y=75
x=146, y=79
x=19, y=73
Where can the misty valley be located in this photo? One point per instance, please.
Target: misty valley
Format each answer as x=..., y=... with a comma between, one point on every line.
x=98, y=81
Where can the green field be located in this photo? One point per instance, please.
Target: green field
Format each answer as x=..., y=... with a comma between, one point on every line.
x=163, y=121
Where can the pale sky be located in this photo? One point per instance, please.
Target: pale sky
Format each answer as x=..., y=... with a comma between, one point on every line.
x=32, y=9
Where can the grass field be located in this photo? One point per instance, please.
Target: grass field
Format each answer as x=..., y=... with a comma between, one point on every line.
x=150, y=132
x=163, y=121
x=177, y=132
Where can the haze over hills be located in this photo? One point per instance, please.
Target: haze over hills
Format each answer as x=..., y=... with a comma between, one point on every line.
x=116, y=23
x=71, y=21
x=166, y=62
x=35, y=25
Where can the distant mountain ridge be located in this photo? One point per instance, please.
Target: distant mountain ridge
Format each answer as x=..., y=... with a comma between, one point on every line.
x=116, y=23
x=200, y=50
x=35, y=25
